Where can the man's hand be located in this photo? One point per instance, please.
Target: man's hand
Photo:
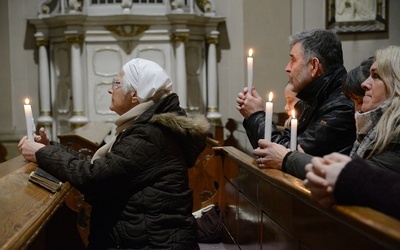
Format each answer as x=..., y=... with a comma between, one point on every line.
x=249, y=102
x=270, y=154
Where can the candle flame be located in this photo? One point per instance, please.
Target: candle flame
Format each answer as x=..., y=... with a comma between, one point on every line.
x=270, y=96
x=27, y=101
x=293, y=114
x=250, y=52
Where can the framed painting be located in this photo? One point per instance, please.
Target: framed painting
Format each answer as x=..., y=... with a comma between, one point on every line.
x=357, y=16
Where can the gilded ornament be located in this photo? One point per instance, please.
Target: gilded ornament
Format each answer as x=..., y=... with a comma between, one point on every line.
x=128, y=30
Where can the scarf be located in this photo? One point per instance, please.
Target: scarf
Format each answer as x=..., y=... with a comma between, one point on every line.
x=366, y=131
x=123, y=122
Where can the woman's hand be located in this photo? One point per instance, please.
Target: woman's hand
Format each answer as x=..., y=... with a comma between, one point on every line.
x=322, y=174
x=28, y=148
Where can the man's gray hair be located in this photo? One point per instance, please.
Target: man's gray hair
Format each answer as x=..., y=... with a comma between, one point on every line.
x=323, y=44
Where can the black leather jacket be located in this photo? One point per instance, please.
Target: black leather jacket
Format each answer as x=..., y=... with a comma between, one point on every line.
x=327, y=124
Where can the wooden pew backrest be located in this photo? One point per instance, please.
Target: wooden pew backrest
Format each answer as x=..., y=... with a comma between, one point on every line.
x=266, y=208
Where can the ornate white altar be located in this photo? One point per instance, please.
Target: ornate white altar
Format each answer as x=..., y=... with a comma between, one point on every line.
x=83, y=45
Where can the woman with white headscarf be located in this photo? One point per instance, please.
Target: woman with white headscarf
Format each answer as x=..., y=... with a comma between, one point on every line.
x=137, y=183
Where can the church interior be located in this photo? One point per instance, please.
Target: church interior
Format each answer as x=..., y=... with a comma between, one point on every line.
x=62, y=55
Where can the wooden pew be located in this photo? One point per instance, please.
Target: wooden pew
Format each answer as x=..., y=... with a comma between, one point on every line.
x=204, y=177
x=25, y=208
x=86, y=139
x=268, y=209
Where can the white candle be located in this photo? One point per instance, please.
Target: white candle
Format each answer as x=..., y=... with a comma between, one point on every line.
x=250, y=70
x=293, y=132
x=268, y=118
x=29, y=119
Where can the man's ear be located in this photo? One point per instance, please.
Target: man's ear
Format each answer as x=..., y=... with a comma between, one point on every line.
x=316, y=67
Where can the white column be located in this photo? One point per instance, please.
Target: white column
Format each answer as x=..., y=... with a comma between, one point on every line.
x=181, y=80
x=213, y=114
x=78, y=115
x=44, y=120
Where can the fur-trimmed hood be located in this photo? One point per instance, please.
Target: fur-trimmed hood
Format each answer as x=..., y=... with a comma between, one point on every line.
x=190, y=132
x=184, y=125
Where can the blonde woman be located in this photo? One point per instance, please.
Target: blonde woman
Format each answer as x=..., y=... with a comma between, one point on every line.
x=346, y=180
x=378, y=130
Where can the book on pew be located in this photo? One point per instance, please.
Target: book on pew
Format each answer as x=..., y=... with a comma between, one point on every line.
x=46, y=180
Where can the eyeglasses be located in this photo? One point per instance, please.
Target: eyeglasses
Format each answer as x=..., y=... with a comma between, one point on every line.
x=115, y=84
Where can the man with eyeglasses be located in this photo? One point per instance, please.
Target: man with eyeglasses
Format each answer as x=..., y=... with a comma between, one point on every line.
x=327, y=125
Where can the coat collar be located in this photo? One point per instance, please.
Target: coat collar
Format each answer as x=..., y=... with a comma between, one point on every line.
x=323, y=85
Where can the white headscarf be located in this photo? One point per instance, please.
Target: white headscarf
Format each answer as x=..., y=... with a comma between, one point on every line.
x=147, y=78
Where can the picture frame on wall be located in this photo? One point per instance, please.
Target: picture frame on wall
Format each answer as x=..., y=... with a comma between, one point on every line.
x=357, y=16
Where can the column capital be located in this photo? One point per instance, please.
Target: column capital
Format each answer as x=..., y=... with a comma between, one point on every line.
x=74, y=38
x=212, y=40
x=212, y=37
x=180, y=37
x=41, y=41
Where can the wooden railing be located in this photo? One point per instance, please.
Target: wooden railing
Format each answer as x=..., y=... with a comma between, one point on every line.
x=268, y=209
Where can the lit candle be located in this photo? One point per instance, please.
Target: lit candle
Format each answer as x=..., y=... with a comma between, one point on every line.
x=30, y=126
x=250, y=70
x=268, y=118
x=293, y=132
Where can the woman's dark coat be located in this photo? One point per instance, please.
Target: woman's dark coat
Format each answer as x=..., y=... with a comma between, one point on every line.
x=139, y=191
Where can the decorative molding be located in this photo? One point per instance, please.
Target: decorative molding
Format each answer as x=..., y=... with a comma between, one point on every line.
x=100, y=94
x=61, y=62
x=127, y=30
x=101, y=58
x=63, y=100
x=213, y=110
x=45, y=113
x=153, y=53
x=78, y=113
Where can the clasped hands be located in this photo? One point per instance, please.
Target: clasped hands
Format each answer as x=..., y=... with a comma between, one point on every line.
x=322, y=174
x=28, y=148
x=249, y=102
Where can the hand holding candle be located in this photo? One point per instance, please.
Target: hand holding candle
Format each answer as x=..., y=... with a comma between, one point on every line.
x=250, y=70
x=293, y=132
x=30, y=126
x=268, y=118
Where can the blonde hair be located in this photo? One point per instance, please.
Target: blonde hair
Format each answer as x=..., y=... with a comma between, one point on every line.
x=388, y=128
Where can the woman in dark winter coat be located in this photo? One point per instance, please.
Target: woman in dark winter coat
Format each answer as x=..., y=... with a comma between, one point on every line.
x=137, y=183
